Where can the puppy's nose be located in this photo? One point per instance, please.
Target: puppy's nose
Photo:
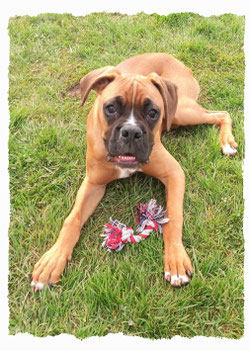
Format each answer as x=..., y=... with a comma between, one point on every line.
x=131, y=133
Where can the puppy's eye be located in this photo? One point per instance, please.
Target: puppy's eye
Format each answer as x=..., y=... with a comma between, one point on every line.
x=111, y=109
x=152, y=113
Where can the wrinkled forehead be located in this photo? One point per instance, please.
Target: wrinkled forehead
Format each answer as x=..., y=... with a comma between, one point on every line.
x=133, y=89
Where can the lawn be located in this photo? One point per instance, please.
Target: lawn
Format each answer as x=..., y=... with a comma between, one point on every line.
x=100, y=292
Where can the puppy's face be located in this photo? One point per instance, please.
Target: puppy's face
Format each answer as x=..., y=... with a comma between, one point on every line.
x=131, y=109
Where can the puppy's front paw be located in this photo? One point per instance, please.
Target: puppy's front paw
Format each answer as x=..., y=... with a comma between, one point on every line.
x=49, y=268
x=177, y=265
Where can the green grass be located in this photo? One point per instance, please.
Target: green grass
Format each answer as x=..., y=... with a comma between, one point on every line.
x=125, y=292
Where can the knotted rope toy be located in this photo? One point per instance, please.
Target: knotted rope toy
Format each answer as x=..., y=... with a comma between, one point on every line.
x=149, y=217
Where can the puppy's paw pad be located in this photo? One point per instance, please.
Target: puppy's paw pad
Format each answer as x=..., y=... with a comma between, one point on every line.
x=176, y=280
x=37, y=286
x=228, y=150
x=179, y=280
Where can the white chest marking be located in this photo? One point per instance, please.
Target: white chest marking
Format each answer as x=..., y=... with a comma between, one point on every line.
x=126, y=172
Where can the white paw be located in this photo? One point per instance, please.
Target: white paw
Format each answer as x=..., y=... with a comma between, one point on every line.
x=176, y=280
x=37, y=286
x=228, y=150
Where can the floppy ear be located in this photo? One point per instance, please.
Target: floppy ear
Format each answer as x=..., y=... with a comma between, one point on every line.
x=97, y=80
x=168, y=91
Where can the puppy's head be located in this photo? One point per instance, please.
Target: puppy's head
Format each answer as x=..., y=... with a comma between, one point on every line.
x=132, y=109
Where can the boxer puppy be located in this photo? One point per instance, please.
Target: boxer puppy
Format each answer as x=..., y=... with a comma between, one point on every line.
x=136, y=101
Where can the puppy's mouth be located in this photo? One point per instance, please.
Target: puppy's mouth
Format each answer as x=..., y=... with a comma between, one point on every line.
x=125, y=160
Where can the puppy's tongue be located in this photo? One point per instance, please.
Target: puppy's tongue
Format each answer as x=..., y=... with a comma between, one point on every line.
x=125, y=158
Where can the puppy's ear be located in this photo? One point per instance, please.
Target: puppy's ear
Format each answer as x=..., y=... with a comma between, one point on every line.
x=168, y=91
x=97, y=80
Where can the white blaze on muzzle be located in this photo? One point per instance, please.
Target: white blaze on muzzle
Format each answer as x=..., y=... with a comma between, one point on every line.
x=131, y=120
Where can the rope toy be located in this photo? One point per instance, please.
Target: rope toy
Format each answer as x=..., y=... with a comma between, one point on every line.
x=149, y=217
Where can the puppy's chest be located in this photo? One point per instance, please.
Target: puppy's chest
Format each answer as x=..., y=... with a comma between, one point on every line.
x=127, y=172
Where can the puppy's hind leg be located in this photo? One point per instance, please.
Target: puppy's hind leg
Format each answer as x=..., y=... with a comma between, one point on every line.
x=189, y=112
